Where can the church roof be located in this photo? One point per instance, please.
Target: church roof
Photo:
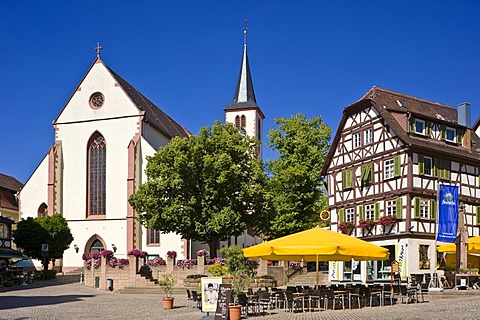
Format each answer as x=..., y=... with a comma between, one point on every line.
x=153, y=114
x=244, y=97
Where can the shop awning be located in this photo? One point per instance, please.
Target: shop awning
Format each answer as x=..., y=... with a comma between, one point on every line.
x=9, y=253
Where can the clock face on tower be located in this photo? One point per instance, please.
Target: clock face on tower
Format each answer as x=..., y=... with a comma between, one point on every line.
x=242, y=130
x=96, y=100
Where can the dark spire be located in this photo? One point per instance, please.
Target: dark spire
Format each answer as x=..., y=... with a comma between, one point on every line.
x=244, y=93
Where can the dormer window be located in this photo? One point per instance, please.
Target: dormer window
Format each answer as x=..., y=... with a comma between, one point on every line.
x=420, y=126
x=451, y=134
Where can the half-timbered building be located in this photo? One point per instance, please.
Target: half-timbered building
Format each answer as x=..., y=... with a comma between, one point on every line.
x=389, y=156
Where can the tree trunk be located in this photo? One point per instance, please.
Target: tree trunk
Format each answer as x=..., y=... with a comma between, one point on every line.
x=213, y=245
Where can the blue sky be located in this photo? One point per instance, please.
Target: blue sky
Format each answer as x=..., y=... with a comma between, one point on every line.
x=312, y=57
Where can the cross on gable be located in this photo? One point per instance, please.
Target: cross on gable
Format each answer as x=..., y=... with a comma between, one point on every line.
x=98, y=48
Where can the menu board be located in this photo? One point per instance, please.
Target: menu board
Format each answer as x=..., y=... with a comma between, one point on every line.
x=223, y=301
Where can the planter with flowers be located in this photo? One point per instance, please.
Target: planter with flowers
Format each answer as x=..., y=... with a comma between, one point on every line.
x=367, y=226
x=388, y=222
x=166, y=282
x=134, y=256
x=346, y=227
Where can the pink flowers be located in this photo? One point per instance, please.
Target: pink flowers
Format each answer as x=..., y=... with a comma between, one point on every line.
x=137, y=253
x=171, y=254
x=202, y=253
x=186, y=264
x=107, y=254
x=155, y=262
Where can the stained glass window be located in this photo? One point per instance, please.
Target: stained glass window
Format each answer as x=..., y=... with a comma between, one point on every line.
x=96, y=175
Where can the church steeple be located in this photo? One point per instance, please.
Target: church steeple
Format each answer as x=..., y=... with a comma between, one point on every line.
x=244, y=94
x=243, y=112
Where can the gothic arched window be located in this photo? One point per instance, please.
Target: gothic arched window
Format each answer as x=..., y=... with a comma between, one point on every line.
x=42, y=210
x=97, y=245
x=244, y=122
x=96, y=175
x=237, y=122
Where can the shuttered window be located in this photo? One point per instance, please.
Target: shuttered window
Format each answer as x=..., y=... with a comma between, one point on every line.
x=412, y=124
x=396, y=167
x=377, y=211
x=399, y=208
x=361, y=215
x=443, y=132
x=341, y=215
x=347, y=179
x=366, y=175
x=428, y=128
x=416, y=208
x=421, y=168
x=477, y=220
x=433, y=210
x=459, y=136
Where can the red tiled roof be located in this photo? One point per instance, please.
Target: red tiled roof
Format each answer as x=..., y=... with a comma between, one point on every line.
x=388, y=103
x=10, y=183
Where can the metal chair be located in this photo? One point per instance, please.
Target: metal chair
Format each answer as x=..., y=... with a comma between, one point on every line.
x=246, y=304
x=335, y=298
x=196, y=299
x=189, y=299
x=291, y=301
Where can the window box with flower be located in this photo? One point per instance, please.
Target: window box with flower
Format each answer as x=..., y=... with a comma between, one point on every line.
x=388, y=222
x=366, y=224
x=346, y=227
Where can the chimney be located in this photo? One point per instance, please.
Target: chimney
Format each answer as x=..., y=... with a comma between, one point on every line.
x=464, y=117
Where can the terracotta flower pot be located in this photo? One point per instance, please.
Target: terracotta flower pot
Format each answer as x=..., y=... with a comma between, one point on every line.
x=235, y=312
x=167, y=303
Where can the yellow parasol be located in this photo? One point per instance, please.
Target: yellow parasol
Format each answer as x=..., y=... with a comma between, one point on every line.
x=317, y=244
x=473, y=246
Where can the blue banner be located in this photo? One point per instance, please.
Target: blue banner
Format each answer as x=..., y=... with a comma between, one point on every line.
x=447, y=213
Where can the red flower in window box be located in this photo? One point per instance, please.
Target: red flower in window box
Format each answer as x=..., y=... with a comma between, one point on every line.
x=346, y=227
x=366, y=223
x=387, y=220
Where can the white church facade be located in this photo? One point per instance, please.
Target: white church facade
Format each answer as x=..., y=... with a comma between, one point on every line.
x=98, y=159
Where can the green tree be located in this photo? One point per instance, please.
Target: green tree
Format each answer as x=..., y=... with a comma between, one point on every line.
x=60, y=235
x=33, y=232
x=205, y=187
x=296, y=187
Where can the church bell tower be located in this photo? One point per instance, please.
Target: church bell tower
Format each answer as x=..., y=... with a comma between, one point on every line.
x=243, y=112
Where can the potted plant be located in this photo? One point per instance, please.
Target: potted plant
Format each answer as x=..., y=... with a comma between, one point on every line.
x=166, y=282
x=240, y=282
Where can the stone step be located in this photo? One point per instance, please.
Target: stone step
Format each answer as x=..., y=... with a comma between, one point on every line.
x=308, y=279
x=150, y=290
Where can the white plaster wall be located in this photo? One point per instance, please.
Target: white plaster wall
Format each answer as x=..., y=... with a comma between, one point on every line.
x=154, y=137
x=99, y=79
x=251, y=117
x=35, y=191
x=75, y=139
x=111, y=231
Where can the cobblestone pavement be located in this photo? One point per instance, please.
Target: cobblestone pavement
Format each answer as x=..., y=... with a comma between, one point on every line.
x=57, y=300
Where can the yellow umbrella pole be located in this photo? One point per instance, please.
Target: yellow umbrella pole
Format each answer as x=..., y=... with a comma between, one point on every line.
x=316, y=276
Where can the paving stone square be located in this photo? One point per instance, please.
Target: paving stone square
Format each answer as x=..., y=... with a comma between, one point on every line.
x=55, y=300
